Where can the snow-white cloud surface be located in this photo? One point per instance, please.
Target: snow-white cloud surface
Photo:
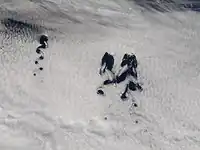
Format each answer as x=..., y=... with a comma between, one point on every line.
x=58, y=109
